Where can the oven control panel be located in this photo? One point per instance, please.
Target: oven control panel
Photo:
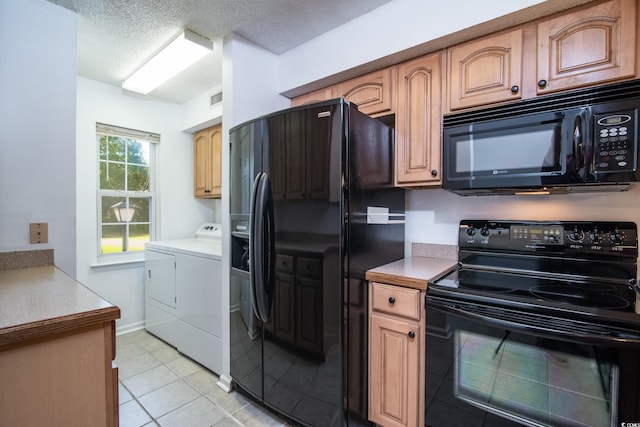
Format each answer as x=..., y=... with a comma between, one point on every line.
x=605, y=237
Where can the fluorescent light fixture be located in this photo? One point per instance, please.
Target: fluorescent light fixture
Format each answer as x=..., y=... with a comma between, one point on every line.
x=532, y=193
x=183, y=51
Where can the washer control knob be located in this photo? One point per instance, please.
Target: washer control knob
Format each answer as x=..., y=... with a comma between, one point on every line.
x=615, y=237
x=576, y=235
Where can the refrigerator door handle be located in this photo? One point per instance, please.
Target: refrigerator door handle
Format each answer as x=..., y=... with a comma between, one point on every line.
x=262, y=247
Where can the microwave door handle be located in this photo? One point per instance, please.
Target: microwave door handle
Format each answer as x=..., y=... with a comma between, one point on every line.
x=578, y=145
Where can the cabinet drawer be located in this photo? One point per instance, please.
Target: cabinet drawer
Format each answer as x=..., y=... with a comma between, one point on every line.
x=309, y=267
x=284, y=263
x=395, y=300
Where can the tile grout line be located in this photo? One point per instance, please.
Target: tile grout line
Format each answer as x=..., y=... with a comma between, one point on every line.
x=139, y=404
x=184, y=379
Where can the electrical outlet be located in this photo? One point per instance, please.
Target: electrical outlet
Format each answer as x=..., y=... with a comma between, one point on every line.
x=38, y=232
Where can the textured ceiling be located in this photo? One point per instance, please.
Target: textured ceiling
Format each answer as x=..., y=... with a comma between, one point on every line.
x=115, y=37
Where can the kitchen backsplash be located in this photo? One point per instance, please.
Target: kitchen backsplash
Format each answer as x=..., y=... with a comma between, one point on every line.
x=25, y=259
x=432, y=250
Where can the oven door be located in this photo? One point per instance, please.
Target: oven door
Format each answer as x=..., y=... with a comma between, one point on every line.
x=480, y=372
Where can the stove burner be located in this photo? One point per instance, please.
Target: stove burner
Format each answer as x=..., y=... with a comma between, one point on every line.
x=597, y=297
x=489, y=288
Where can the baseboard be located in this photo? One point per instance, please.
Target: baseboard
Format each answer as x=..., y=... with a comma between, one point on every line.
x=125, y=329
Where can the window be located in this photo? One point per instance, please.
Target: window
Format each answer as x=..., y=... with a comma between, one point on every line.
x=126, y=192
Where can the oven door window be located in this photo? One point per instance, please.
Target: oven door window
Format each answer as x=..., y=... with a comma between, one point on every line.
x=536, y=381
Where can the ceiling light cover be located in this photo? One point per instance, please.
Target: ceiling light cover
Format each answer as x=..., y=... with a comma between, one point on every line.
x=184, y=51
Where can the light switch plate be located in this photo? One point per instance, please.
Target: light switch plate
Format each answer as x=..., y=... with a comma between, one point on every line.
x=38, y=232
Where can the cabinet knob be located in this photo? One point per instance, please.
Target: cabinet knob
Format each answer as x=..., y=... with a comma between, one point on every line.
x=434, y=172
x=411, y=334
x=542, y=83
x=515, y=89
x=392, y=300
x=207, y=191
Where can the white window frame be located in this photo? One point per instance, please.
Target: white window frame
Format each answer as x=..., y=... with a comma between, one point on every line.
x=153, y=140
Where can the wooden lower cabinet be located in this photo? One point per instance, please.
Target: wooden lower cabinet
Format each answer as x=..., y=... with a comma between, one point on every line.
x=396, y=355
x=66, y=379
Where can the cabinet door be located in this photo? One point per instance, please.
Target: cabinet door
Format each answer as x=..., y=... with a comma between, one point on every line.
x=418, y=122
x=215, y=159
x=208, y=162
x=394, y=354
x=372, y=93
x=486, y=71
x=201, y=160
x=315, y=96
x=589, y=46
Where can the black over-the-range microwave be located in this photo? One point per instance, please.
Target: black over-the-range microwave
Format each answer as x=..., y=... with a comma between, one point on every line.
x=577, y=141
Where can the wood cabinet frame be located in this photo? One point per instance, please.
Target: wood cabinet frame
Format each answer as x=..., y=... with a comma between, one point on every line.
x=396, y=356
x=207, y=163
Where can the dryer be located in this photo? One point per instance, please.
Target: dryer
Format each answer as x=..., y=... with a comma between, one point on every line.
x=183, y=294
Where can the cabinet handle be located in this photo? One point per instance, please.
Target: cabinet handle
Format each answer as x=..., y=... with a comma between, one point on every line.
x=207, y=191
x=542, y=83
x=434, y=172
x=515, y=89
x=392, y=300
x=411, y=334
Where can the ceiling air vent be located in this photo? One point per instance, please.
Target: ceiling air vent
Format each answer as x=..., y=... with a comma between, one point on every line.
x=215, y=99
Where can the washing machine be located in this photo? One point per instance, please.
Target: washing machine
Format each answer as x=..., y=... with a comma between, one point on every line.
x=183, y=294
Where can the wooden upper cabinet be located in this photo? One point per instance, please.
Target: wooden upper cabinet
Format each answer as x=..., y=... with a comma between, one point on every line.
x=418, y=122
x=372, y=93
x=588, y=46
x=324, y=94
x=208, y=162
x=486, y=71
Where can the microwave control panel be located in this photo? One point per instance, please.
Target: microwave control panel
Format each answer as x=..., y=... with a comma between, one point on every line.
x=615, y=142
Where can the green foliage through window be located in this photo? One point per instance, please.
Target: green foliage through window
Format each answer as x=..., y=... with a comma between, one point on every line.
x=125, y=193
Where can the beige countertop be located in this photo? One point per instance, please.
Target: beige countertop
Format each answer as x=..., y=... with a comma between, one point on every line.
x=40, y=301
x=412, y=272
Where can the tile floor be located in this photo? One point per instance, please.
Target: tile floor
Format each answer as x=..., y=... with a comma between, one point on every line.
x=160, y=387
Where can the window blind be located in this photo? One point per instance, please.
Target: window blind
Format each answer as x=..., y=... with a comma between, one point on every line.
x=104, y=129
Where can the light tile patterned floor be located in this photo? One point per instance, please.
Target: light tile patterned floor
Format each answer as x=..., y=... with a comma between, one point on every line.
x=161, y=387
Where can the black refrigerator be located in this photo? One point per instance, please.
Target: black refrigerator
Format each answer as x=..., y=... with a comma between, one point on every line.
x=312, y=208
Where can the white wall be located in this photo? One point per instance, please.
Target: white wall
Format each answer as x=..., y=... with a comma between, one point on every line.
x=433, y=215
x=179, y=212
x=391, y=28
x=37, y=127
x=197, y=113
x=250, y=76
